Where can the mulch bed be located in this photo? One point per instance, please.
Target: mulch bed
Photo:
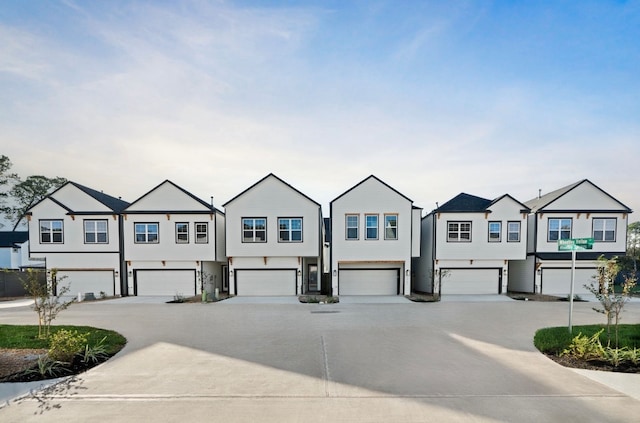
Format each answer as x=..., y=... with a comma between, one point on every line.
x=568, y=361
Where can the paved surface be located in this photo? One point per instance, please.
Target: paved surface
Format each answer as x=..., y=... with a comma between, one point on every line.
x=412, y=362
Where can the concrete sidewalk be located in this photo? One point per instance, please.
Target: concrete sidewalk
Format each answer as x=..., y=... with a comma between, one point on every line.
x=458, y=361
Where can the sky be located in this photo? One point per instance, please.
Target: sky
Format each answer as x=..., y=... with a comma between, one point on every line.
x=433, y=97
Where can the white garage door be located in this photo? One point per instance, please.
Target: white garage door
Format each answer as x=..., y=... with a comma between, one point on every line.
x=558, y=281
x=266, y=282
x=471, y=282
x=368, y=282
x=166, y=282
x=84, y=281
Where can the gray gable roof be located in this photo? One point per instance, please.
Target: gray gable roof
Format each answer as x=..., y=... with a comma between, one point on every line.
x=465, y=203
x=544, y=200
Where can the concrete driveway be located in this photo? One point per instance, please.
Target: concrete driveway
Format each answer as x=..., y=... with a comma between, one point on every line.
x=412, y=362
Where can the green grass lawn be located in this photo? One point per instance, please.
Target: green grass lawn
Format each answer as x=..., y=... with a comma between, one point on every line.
x=26, y=336
x=555, y=340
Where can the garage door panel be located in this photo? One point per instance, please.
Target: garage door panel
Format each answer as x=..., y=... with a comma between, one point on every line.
x=558, y=281
x=84, y=281
x=166, y=282
x=266, y=282
x=471, y=282
x=368, y=281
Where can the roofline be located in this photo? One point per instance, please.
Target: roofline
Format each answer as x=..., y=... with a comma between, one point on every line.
x=204, y=203
x=377, y=179
x=524, y=206
x=279, y=179
x=84, y=189
x=575, y=185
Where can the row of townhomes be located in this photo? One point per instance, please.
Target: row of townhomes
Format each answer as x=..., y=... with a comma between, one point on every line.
x=272, y=239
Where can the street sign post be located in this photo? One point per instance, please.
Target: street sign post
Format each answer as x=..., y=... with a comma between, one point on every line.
x=573, y=245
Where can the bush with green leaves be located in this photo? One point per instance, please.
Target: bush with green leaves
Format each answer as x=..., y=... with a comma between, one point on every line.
x=585, y=347
x=46, y=367
x=95, y=353
x=65, y=344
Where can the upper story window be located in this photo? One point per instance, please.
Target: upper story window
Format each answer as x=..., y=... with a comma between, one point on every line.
x=146, y=233
x=290, y=229
x=51, y=232
x=95, y=232
x=202, y=232
x=559, y=229
x=182, y=233
x=371, y=229
x=254, y=230
x=513, y=232
x=604, y=230
x=390, y=226
x=495, y=231
x=458, y=231
x=351, y=223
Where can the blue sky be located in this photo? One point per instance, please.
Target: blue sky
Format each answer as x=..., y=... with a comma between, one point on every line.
x=435, y=98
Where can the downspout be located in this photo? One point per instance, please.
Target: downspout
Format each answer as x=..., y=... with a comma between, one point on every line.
x=433, y=256
x=124, y=286
x=331, y=254
x=535, y=250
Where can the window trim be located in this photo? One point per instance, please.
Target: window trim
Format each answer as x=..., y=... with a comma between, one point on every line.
x=460, y=222
x=347, y=227
x=291, y=230
x=146, y=233
x=96, y=232
x=178, y=241
x=489, y=232
x=519, y=230
x=615, y=229
x=385, y=226
x=195, y=230
x=366, y=227
x=50, y=231
x=242, y=230
x=570, y=219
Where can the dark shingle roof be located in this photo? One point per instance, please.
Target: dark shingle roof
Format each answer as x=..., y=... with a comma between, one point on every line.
x=465, y=203
x=9, y=239
x=115, y=204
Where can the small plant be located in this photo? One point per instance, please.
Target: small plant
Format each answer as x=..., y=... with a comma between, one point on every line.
x=585, y=347
x=95, y=353
x=103, y=295
x=179, y=298
x=66, y=344
x=331, y=300
x=46, y=367
x=313, y=300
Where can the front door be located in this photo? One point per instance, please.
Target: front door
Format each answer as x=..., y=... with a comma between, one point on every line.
x=313, y=277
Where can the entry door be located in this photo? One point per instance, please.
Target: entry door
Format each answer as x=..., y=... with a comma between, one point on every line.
x=313, y=277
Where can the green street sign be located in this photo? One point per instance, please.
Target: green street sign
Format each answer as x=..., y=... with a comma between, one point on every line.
x=575, y=244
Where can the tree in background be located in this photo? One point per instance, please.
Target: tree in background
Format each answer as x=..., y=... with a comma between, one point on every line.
x=25, y=194
x=633, y=242
x=5, y=179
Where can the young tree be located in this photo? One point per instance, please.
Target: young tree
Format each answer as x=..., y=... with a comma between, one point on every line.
x=27, y=193
x=45, y=303
x=612, y=303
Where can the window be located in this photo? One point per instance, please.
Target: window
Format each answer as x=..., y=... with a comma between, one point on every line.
x=352, y=226
x=51, y=232
x=290, y=230
x=458, y=231
x=559, y=229
x=202, y=232
x=513, y=232
x=146, y=233
x=495, y=231
x=604, y=230
x=390, y=226
x=95, y=232
x=371, y=229
x=182, y=233
x=254, y=230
